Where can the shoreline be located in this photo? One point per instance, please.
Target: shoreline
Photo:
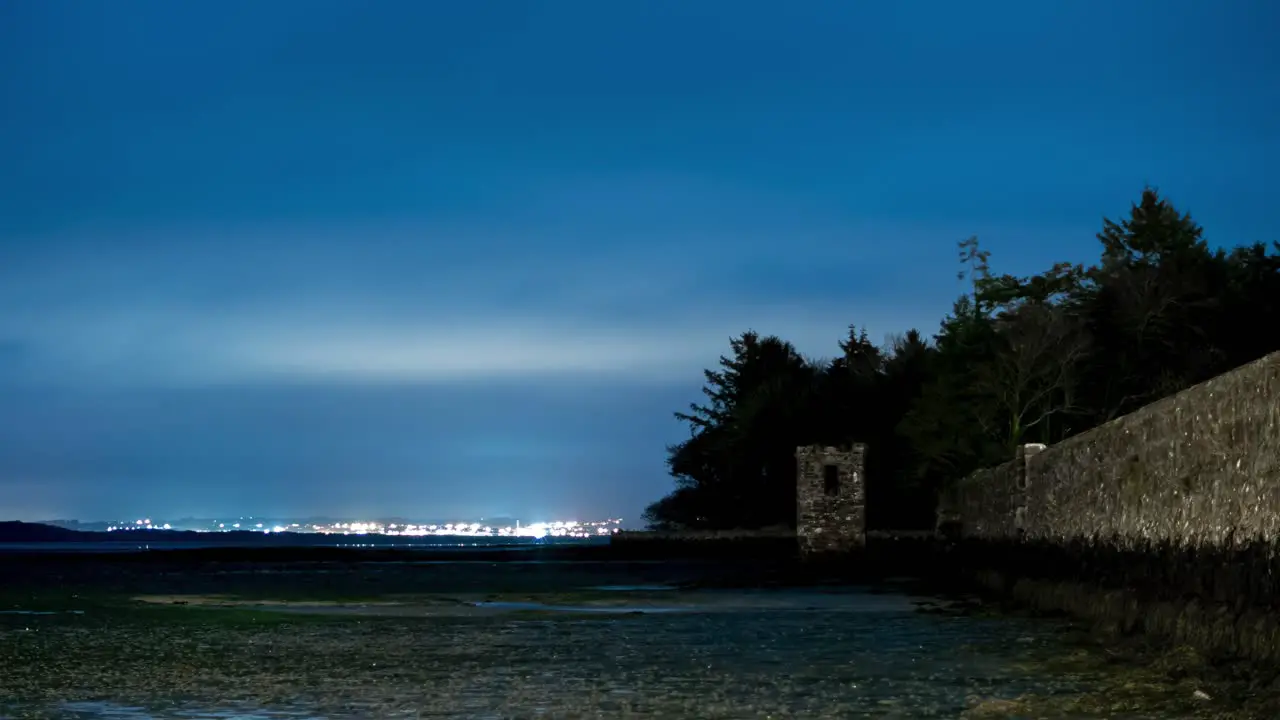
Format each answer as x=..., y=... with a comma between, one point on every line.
x=277, y=593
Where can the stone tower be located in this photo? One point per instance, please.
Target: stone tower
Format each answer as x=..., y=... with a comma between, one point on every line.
x=831, y=498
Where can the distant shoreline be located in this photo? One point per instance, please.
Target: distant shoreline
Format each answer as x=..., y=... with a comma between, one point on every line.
x=23, y=534
x=34, y=542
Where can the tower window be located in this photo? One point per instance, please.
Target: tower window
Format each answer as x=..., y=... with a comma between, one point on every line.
x=831, y=480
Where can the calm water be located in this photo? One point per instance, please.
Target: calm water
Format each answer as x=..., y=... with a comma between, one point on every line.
x=706, y=654
x=436, y=543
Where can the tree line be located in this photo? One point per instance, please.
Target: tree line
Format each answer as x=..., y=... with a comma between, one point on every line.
x=1017, y=360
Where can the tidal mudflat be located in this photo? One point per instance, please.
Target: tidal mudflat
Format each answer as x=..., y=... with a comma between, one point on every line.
x=557, y=642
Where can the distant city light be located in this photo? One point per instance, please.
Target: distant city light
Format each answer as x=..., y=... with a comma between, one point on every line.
x=536, y=530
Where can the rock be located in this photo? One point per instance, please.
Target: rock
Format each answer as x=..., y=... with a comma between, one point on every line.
x=994, y=708
x=1179, y=662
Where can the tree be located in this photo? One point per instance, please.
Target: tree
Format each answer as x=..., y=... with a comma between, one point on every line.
x=1248, y=289
x=1033, y=372
x=737, y=467
x=897, y=496
x=948, y=425
x=1149, y=305
x=1017, y=359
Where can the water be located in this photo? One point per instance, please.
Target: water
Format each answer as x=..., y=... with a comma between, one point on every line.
x=714, y=654
x=110, y=711
x=39, y=612
x=435, y=543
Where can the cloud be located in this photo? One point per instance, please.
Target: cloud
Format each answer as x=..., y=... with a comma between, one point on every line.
x=520, y=448
x=197, y=347
x=619, y=293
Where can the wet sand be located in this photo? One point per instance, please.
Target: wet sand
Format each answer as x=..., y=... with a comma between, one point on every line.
x=569, y=641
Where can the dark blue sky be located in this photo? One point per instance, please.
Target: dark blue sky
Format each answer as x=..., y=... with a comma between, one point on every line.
x=465, y=258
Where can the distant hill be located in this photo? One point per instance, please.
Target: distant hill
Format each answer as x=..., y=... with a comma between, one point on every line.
x=35, y=532
x=24, y=532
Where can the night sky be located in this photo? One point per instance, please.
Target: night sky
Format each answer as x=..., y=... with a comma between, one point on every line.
x=465, y=258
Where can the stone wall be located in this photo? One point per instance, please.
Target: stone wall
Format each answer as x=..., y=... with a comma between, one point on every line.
x=1221, y=602
x=992, y=502
x=1200, y=467
x=830, y=498
x=1166, y=520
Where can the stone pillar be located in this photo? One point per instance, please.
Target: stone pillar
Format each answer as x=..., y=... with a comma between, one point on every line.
x=947, y=517
x=830, y=499
x=1021, y=484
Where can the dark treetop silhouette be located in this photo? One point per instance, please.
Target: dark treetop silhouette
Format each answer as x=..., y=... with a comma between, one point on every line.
x=1019, y=359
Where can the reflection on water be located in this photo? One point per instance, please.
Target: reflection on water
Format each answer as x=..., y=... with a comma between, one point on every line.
x=39, y=612
x=302, y=540
x=634, y=588
x=725, y=655
x=613, y=609
x=110, y=711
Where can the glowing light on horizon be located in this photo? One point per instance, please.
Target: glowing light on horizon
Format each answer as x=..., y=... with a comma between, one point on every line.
x=536, y=530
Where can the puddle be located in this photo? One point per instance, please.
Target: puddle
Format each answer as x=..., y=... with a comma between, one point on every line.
x=229, y=601
x=111, y=711
x=675, y=600
x=612, y=609
x=633, y=588
x=41, y=612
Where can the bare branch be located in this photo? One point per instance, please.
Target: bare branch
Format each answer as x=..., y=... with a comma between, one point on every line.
x=1032, y=376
